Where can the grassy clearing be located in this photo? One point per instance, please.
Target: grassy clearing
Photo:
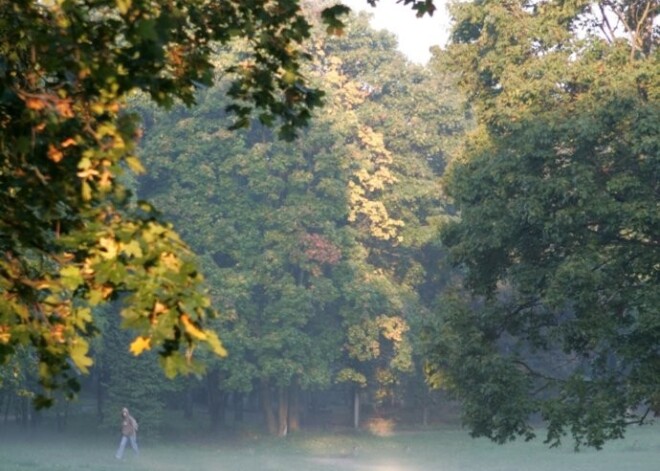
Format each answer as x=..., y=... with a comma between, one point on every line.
x=448, y=449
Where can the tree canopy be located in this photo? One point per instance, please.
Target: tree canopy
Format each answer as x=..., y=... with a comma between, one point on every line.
x=323, y=251
x=557, y=194
x=311, y=247
x=71, y=237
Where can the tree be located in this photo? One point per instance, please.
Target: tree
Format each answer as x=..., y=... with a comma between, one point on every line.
x=262, y=215
x=557, y=191
x=299, y=242
x=69, y=237
x=17, y=383
x=273, y=235
x=430, y=117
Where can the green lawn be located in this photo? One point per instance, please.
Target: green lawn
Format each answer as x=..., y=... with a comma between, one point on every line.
x=448, y=449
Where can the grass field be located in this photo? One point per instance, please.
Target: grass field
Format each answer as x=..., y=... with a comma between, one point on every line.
x=449, y=449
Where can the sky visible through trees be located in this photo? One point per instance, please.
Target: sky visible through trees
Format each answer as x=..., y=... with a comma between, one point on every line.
x=415, y=36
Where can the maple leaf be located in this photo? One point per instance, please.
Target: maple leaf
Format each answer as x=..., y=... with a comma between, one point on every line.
x=139, y=345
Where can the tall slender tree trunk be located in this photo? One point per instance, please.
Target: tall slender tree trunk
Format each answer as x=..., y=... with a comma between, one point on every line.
x=356, y=408
x=25, y=411
x=7, y=407
x=282, y=411
x=238, y=407
x=62, y=417
x=267, y=407
x=222, y=413
x=188, y=402
x=100, y=394
x=35, y=419
x=215, y=400
x=294, y=407
x=426, y=410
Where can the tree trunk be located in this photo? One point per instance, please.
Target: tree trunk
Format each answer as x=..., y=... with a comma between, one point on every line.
x=214, y=399
x=238, y=407
x=98, y=386
x=35, y=419
x=283, y=412
x=356, y=408
x=62, y=417
x=7, y=407
x=267, y=407
x=294, y=407
x=25, y=408
x=222, y=412
x=188, y=402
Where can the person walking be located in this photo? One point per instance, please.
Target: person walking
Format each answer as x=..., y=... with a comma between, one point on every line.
x=129, y=428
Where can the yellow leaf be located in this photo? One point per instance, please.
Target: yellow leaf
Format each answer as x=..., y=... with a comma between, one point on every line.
x=78, y=354
x=171, y=261
x=107, y=291
x=159, y=308
x=191, y=328
x=215, y=344
x=139, y=345
x=109, y=246
x=135, y=165
x=95, y=296
x=97, y=108
x=132, y=248
x=88, y=173
x=5, y=334
x=105, y=182
x=123, y=6
x=86, y=191
x=289, y=77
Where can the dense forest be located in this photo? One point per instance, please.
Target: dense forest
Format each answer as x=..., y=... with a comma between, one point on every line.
x=383, y=243
x=314, y=251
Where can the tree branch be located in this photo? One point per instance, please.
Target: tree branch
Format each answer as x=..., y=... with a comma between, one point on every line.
x=606, y=22
x=536, y=374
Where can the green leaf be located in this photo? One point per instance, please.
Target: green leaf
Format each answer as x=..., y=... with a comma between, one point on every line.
x=71, y=277
x=132, y=248
x=86, y=191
